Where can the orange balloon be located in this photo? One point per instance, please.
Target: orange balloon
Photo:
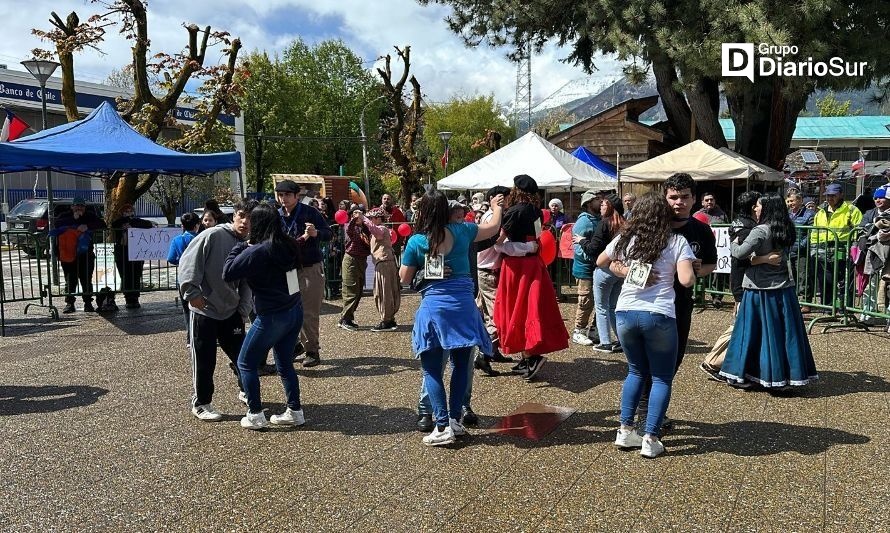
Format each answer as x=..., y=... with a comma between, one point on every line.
x=547, y=244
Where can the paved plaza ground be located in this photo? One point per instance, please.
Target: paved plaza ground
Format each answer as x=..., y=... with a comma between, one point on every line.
x=97, y=435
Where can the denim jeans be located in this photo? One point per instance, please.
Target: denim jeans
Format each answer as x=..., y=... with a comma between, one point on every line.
x=650, y=345
x=433, y=364
x=606, y=288
x=425, y=407
x=278, y=332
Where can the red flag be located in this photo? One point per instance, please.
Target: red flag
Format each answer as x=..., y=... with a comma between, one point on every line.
x=445, y=158
x=13, y=127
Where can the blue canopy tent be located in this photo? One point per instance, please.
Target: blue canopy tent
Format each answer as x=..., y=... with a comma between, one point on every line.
x=594, y=160
x=103, y=143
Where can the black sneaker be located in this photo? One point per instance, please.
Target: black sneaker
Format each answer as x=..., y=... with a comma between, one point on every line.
x=348, y=325
x=69, y=308
x=469, y=417
x=299, y=350
x=385, y=326
x=312, y=359
x=88, y=307
x=133, y=305
x=520, y=367
x=498, y=357
x=616, y=347
x=535, y=363
x=605, y=348
x=425, y=423
x=485, y=366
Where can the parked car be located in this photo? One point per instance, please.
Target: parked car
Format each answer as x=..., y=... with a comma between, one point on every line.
x=27, y=225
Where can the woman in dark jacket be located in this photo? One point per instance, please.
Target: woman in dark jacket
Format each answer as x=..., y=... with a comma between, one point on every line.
x=269, y=261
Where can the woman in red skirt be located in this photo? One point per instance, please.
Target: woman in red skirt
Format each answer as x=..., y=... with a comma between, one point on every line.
x=526, y=312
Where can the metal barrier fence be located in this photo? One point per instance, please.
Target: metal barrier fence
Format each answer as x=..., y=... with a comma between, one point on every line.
x=827, y=280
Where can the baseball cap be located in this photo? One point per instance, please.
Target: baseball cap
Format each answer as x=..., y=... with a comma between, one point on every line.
x=834, y=188
x=881, y=192
x=79, y=200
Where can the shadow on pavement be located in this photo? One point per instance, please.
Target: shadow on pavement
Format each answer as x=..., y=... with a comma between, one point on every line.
x=749, y=438
x=582, y=374
x=150, y=319
x=360, y=367
x=832, y=383
x=24, y=399
x=352, y=419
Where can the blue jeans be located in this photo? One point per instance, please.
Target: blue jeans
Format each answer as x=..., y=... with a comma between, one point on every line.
x=425, y=407
x=278, y=332
x=606, y=288
x=433, y=364
x=650, y=345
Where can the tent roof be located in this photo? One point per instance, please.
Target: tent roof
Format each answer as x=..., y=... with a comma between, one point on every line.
x=701, y=161
x=103, y=142
x=553, y=168
x=595, y=161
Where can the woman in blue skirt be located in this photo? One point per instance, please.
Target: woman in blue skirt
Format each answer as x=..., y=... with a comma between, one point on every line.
x=769, y=345
x=447, y=321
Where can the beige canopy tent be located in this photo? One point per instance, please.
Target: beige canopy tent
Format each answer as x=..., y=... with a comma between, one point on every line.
x=701, y=161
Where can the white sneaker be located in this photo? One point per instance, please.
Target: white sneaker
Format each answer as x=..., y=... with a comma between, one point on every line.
x=439, y=438
x=457, y=427
x=254, y=421
x=628, y=439
x=579, y=337
x=288, y=418
x=242, y=397
x=206, y=413
x=652, y=447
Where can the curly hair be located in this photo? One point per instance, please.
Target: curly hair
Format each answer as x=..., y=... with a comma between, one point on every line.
x=678, y=182
x=649, y=229
x=431, y=217
x=518, y=196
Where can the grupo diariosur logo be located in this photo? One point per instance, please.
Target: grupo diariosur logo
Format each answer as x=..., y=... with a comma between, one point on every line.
x=739, y=59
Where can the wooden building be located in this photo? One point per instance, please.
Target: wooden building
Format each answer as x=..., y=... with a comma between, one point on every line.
x=614, y=131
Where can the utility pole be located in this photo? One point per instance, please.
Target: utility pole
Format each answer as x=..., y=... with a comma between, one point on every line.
x=258, y=152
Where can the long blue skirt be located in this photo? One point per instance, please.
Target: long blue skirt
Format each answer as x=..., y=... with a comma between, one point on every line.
x=769, y=344
x=448, y=318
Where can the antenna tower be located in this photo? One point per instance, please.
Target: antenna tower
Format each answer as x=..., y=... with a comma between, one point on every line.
x=522, y=105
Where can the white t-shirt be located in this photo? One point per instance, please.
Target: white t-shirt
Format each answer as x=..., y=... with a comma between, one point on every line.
x=659, y=297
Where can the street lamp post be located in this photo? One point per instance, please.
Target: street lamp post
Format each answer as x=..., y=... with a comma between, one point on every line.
x=446, y=136
x=361, y=124
x=41, y=70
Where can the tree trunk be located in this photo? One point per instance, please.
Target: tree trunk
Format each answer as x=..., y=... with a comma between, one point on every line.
x=704, y=103
x=675, y=107
x=122, y=189
x=764, y=120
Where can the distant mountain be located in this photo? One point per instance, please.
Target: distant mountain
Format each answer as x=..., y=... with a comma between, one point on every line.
x=575, y=90
x=587, y=106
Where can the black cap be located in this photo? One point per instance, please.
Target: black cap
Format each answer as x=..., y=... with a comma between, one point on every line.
x=287, y=186
x=525, y=183
x=615, y=200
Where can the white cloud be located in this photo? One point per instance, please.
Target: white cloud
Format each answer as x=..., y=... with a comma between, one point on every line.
x=442, y=63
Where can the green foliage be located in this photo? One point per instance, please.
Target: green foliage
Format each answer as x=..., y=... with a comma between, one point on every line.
x=830, y=106
x=468, y=118
x=307, y=105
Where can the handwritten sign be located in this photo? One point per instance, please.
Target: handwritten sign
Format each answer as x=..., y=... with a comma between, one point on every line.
x=723, y=253
x=150, y=244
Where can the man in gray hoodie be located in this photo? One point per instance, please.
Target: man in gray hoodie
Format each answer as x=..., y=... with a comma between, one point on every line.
x=218, y=309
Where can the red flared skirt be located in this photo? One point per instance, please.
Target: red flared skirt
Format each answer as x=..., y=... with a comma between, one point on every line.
x=526, y=312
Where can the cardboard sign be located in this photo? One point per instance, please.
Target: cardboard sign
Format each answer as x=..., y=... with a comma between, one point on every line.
x=150, y=244
x=723, y=252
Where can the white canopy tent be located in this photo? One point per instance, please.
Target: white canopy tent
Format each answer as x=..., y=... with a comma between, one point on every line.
x=701, y=161
x=554, y=169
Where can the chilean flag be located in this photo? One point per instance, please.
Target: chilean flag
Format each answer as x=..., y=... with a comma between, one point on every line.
x=858, y=165
x=444, y=159
x=13, y=127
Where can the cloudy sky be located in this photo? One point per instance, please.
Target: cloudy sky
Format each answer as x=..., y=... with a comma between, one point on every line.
x=442, y=64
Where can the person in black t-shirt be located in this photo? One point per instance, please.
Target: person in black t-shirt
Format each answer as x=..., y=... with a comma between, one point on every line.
x=679, y=190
